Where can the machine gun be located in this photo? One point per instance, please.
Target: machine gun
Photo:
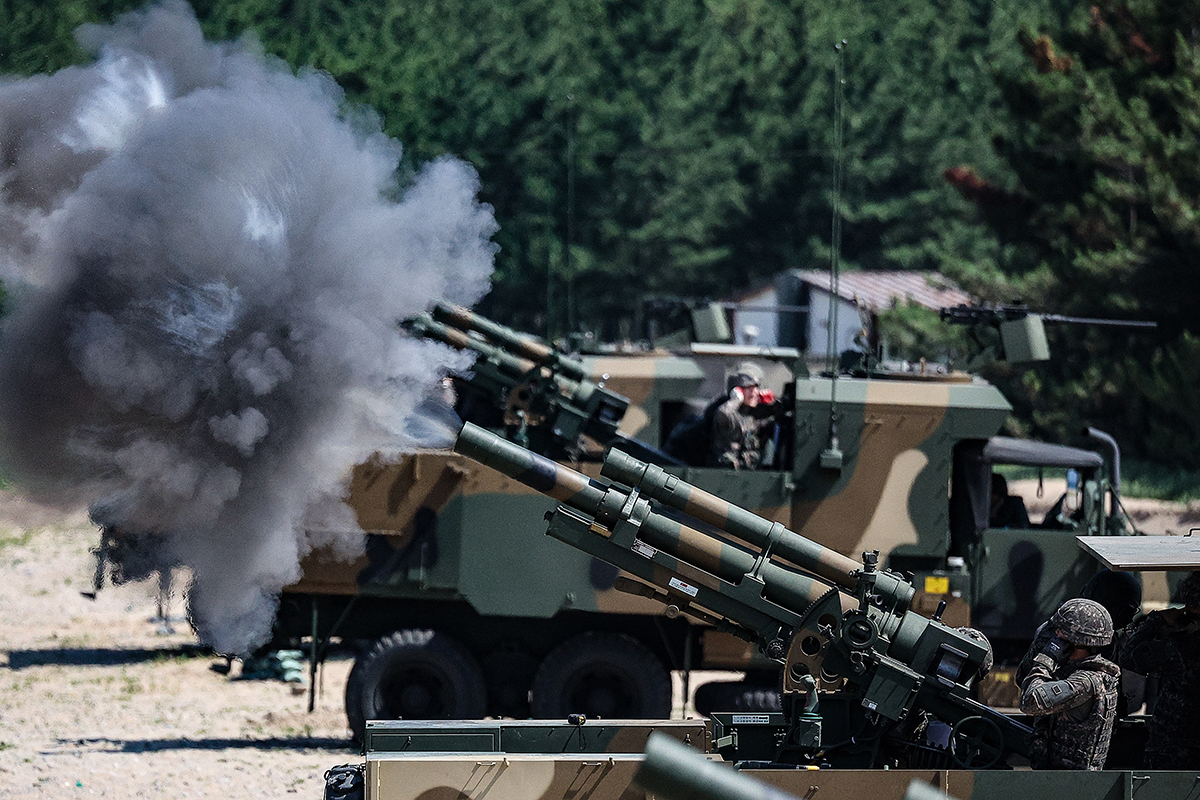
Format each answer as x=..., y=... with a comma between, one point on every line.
x=546, y=398
x=857, y=664
x=1022, y=332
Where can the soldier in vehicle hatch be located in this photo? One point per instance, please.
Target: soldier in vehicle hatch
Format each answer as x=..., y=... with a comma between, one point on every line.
x=1167, y=644
x=1072, y=690
x=742, y=421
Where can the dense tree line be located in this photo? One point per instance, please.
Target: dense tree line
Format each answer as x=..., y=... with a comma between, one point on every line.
x=1040, y=150
x=1102, y=220
x=635, y=148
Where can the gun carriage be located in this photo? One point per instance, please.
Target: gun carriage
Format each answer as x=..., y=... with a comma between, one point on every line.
x=856, y=661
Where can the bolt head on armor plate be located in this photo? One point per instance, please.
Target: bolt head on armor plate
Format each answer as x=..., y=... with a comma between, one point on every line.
x=1085, y=623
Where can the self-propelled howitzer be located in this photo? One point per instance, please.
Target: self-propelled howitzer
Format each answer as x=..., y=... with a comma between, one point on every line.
x=859, y=666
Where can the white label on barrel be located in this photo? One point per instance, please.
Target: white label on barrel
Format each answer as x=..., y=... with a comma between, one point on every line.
x=686, y=588
x=643, y=549
x=751, y=719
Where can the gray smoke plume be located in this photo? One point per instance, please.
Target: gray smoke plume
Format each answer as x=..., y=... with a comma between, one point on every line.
x=206, y=257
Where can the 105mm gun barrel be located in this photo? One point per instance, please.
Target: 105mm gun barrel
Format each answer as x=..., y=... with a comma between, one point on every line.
x=528, y=346
x=547, y=398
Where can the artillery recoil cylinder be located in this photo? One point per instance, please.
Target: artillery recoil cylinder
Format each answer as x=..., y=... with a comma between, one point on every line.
x=657, y=484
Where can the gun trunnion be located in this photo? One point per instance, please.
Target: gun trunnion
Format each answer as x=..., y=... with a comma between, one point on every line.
x=857, y=663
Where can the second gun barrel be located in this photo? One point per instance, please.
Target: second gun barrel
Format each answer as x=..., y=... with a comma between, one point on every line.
x=788, y=588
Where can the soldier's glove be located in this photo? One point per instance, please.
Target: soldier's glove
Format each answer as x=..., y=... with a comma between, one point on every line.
x=1058, y=649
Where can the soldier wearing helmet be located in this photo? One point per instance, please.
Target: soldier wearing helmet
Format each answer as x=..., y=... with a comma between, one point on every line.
x=1167, y=644
x=985, y=666
x=740, y=420
x=1121, y=594
x=1072, y=690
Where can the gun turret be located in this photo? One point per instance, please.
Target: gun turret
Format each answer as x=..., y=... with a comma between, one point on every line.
x=547, y=397
x=857, y=663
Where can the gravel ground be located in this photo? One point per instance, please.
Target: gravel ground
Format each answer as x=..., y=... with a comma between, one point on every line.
x=96, y=702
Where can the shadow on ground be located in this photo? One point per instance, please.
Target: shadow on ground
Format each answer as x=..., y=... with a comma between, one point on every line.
x=164, y=745
x=102, y=657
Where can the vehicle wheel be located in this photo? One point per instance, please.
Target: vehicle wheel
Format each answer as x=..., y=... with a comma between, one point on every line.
x=605, y=675
x=414, y=674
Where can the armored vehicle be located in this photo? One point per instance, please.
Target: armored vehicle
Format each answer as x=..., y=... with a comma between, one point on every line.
x=859, y=668
x=462, y=608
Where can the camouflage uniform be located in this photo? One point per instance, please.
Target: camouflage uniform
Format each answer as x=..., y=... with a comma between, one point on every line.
x=1121, y=594
x=1074, y=702
x=1172, y=652
x=735, y=437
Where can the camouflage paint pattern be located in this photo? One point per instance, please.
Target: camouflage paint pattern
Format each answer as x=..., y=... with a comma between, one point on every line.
x=527, y=736
x=896, y=438
x=447, y=529
x=544, y=777
x=489, y=761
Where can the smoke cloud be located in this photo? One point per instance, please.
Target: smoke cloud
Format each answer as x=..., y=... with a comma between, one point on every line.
x=206, y=257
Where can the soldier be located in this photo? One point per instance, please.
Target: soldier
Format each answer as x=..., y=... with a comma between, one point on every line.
x=740, y=420
x=1121, y=595
x=1072, y=690
x=1167, y=644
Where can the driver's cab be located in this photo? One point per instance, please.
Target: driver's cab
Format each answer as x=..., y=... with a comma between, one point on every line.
x=1024, y=567
x=669, y=392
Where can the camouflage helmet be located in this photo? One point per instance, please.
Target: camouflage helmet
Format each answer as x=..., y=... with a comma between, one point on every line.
x=747, y=374
x=1189, y=591
x=986, y=666
x=1085, y=623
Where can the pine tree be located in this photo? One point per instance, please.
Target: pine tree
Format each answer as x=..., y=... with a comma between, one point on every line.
x=1102, y=221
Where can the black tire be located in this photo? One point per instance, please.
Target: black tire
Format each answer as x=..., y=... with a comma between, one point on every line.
x=414, y=674
x=601, y=675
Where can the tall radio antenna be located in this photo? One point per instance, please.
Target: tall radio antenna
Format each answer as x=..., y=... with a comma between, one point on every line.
x=831, y=457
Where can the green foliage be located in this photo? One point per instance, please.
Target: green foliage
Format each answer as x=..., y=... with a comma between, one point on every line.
x=36, y=36
x=635, y=148
x=1159, y=481
x=677, y=147
x=1102, y=221
x=914, y=332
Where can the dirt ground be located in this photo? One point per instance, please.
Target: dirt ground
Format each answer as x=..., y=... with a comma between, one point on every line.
x=96, y=702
